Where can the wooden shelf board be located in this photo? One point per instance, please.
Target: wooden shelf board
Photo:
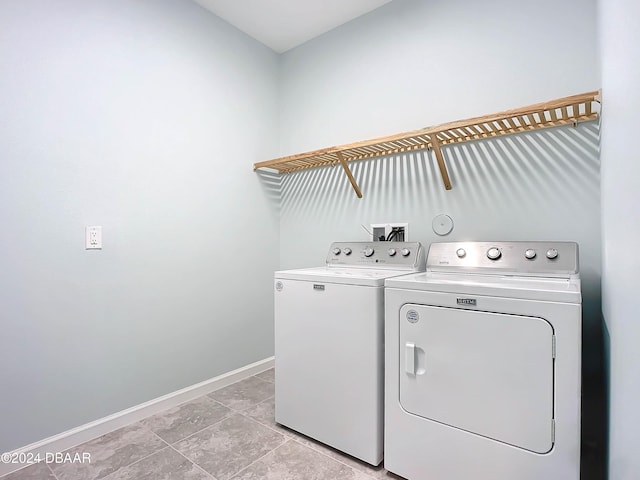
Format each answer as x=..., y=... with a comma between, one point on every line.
x=554, y=113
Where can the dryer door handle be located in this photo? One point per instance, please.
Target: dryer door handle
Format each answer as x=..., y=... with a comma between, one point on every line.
x=410, y=358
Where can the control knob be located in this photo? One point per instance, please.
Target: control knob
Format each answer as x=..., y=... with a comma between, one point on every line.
x=347, y=251
x=461, y=253
x=530, y=254
x=405, y=252
x=494, y=253
x=391, y=252
x=368, y=251
x=552, y=253
x=336, y=251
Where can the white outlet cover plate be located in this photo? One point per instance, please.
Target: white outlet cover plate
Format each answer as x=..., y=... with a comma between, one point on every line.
x=93, y=238
x=442, y=224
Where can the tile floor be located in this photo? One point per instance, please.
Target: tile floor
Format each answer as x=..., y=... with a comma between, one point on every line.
x=228, y=434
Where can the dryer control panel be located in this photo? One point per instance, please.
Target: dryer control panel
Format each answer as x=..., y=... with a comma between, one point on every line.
x=515, y=258
x=396, y=255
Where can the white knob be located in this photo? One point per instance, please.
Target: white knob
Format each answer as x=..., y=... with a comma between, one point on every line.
x=461, y=253
x=494, y=253
x=347, y=251
x=391, y=252
x=368, y=251
x=405, y=252
x=552, y=253
x=530, y=254
x=336, y=251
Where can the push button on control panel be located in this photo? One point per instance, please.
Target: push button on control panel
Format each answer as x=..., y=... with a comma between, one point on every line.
x=530, y=254
x=494, y=253
x=552, y=254
x=368, y=251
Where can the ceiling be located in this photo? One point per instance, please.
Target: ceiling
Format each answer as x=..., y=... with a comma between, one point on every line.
x=285, y=24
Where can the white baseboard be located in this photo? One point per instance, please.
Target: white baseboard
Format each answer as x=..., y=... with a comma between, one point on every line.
x=84, y=433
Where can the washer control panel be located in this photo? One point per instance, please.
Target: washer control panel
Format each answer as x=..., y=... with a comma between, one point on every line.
x=397, y=255
x=518, y=258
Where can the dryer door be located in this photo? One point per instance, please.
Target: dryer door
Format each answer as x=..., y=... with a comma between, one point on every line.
x=490, y=374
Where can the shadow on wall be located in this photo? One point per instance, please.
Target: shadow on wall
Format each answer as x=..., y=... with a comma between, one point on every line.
x=271, y=183
x=544, y=166
x=606, y=348
x=543, y=185
x=594, y=386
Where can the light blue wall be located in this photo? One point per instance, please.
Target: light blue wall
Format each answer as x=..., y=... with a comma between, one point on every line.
x=143, y=117
x=620, y=37
x=415, y=63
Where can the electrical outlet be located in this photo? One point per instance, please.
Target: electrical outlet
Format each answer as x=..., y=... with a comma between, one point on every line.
x=93, y=238
x=381, y=231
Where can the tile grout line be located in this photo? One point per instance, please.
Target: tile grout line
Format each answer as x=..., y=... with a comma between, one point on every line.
x=184, y=456
x=234, y=411
x=146, y=456
x=165, y=442
x=55, y=477
x=133, y=463
x=193, y=463
x=286, y=438
x=256, y=375
x=247, y=408
x=202, y=429
x=259, y=403
x=258, y=459
x=231, y=412
x=293, y=438
x=29, y=465
x=329, y=456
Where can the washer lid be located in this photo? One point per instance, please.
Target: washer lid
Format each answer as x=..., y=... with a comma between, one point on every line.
x=566, y=290
x=348, y=276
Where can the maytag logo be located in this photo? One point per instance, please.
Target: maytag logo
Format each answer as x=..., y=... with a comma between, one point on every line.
x=317, y=286
x=467, y=301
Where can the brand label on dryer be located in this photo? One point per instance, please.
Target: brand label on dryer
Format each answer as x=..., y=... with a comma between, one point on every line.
x=467, y=301
x=317, y=286
x=413, y=316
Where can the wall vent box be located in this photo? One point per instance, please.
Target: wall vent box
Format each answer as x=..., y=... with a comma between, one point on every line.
x=396, y=232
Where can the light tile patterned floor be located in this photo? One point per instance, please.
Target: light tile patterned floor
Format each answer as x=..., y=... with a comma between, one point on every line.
x=229, y=434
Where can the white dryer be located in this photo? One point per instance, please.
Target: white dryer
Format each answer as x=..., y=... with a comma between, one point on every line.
x=329, y=344
x=483, y=364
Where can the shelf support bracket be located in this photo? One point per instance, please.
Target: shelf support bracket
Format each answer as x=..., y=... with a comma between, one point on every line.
x=435, y=144
x=343, y=162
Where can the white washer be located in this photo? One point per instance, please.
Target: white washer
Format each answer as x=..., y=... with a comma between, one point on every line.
x=483, y=362
x=329, y=344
